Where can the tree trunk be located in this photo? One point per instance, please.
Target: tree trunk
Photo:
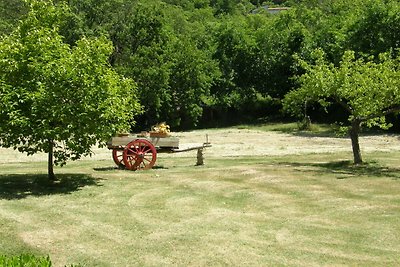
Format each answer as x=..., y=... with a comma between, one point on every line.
x=50, y=165
x=354, y=133
x=200, y=157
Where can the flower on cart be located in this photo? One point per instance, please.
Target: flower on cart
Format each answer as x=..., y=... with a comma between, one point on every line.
x=161, y=128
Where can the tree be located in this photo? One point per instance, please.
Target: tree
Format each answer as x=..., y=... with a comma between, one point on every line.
x=166, y=50
x=55, y=98
x=192, y=74
x=10, y=12
x=236, y=54
x=376, y=29
x=277, y=40
x=367, y=90
x=255, y=59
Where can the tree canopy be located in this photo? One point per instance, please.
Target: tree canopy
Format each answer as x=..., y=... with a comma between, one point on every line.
x=367, y=90
x=58, y=98
x=194, y=58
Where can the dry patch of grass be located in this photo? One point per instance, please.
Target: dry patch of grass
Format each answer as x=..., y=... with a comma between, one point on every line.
x=267, y=195
x=285, y=210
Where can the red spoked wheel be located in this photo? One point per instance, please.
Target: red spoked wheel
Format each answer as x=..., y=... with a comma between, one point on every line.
x=118, y=157
x=139, y=154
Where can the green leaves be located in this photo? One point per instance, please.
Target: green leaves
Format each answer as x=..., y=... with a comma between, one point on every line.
x=186, y=55
x=368, y=90
x=26, y=260
x=168, y=52
x=52, y=91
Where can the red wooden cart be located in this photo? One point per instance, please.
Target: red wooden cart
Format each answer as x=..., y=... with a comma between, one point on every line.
x=138, y=152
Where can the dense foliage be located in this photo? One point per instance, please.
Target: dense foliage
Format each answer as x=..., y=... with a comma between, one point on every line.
x=366, y=89
x=203, y=59
x=55, y=98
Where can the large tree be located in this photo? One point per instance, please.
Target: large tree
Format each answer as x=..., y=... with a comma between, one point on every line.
x=167, y=51
x=376, y=29
x=55, y=98
x=366, y=89
x=10, y=12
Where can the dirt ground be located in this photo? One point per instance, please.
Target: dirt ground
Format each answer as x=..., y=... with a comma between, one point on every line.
x=242, y=142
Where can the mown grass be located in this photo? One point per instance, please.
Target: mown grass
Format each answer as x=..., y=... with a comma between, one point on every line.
x=313, y=210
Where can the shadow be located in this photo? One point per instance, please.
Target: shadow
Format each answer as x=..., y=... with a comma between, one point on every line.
x=316, y=130
x=19, y=186
x=346, y=169
x=309, y=134
x=160, y=167
x=335, y=133
x=327, y=133
x=105, y=169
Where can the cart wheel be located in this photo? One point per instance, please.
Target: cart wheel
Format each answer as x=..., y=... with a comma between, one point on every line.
x=139, y=154
x=118, y=157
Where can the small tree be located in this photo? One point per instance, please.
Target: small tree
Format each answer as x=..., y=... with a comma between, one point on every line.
x=55, y=98
x=367, y=90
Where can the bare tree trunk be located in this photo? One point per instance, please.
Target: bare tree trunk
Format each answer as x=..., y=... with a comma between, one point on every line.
x=50, y=165
x=354, y=133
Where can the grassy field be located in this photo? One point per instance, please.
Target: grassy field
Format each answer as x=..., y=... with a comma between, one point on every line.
x=291, y=210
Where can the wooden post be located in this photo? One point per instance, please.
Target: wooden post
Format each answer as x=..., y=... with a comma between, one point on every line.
x=200, y=157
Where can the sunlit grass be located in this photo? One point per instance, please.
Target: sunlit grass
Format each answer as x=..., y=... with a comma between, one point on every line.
x=317, y=209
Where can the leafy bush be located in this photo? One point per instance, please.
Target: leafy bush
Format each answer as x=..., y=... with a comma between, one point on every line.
x=24, y=260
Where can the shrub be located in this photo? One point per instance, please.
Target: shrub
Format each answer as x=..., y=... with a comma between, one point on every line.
x=24, y=260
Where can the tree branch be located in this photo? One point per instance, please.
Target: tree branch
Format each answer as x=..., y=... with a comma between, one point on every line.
x=383, y=113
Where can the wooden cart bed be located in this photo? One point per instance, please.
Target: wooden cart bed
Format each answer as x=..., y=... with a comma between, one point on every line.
x=169, y=142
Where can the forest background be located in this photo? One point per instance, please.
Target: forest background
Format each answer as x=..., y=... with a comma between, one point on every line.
x=202, y=63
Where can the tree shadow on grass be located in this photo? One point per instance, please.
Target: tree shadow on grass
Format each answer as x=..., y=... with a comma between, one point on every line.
x=346, y=169
x=330, y=132
x=105, y=169
x=19, y=186
x=326, y=133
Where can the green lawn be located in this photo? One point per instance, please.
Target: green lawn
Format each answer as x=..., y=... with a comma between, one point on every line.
x=311, y=210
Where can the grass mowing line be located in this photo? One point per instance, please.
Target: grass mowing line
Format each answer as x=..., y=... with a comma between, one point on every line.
x=255, y=211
